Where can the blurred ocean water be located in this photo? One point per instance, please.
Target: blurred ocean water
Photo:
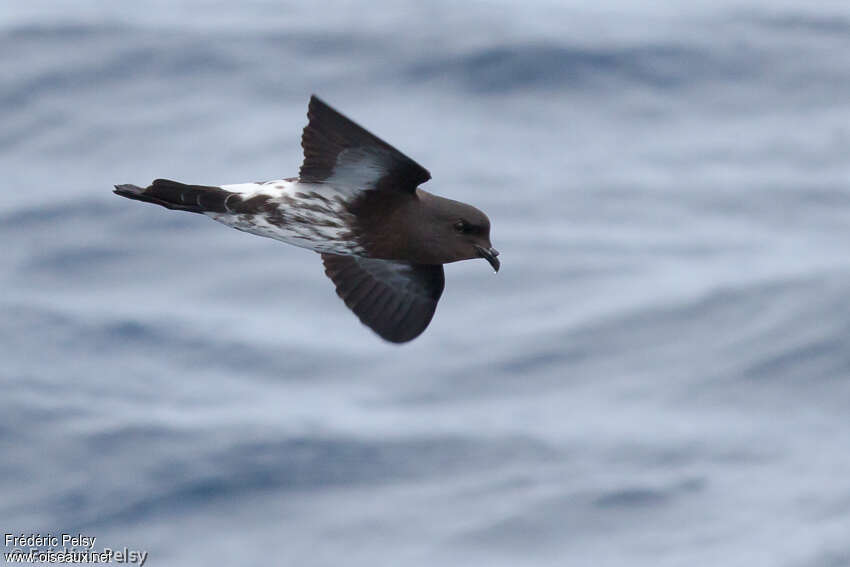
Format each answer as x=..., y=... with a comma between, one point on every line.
x=659, y=375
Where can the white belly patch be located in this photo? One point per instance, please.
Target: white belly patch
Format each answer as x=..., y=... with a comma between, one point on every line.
x=309, y=215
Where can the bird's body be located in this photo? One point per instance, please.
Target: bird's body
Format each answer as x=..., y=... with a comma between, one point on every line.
x=356, y=202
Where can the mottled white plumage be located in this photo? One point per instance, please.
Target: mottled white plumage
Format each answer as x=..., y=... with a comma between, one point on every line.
x=309, y=215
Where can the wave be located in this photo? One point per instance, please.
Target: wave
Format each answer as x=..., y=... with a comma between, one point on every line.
x=188, y=474
x=293, y=61
x=506, y=68
x=793, y=330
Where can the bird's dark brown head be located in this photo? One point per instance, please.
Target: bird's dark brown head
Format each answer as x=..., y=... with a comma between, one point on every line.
x=455, y=231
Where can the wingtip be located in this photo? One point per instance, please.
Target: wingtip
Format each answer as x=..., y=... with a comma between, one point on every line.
x=315, y=105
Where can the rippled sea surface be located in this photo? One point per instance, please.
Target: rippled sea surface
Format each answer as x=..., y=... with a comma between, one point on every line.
x=659, y=375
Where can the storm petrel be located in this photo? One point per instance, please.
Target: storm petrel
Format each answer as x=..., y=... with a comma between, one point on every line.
x=356, y=202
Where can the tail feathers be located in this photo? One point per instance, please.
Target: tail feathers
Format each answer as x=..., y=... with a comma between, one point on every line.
x=178, y=196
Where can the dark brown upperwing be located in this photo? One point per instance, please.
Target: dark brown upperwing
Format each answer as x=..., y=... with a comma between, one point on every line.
x=395, y=299
x=335, y=147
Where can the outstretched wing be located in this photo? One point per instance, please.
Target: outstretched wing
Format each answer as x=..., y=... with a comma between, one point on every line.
x=338, y=150
x=395, y=299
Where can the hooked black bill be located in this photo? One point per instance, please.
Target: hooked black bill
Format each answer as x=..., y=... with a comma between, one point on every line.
x=490, y=254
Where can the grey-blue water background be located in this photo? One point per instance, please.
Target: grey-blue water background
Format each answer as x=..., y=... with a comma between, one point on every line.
x=659, y=375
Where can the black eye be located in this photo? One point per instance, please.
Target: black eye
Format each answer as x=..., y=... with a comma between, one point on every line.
x=462, y=226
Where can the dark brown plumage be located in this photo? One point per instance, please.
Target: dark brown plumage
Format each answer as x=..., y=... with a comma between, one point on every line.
x=396, y=300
